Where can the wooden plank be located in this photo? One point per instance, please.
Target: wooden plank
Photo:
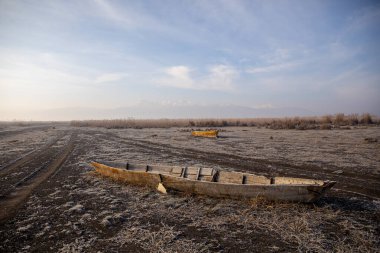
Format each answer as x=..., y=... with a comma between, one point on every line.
x=206, y=171
x=113, y=164
x=291, y=180
x=230, y=177
x=160, y=168
x=254, y=179
x=183, y=172
x=192, y=170
x=176, y=170
x=205, y=178
x=141, y=167
x=191, y=177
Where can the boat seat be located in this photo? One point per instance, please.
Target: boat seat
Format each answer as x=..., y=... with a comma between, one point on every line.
x=196, y=173
x=230, y=177
x=206, y=174
x=254, y=179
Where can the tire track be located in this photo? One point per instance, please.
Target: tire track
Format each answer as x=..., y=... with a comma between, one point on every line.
x=29, y=156
x=18, y=193
x=23, y=130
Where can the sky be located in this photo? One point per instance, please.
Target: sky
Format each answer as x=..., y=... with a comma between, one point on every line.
x=320, y=56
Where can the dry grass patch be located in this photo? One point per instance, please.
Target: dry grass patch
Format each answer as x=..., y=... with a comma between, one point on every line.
x=165, y=239
x=301, y=123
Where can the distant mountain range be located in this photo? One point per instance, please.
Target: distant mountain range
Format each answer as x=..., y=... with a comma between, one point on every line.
x=155, y=111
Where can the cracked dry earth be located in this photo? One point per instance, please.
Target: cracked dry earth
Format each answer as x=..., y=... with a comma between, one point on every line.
x=52, y=201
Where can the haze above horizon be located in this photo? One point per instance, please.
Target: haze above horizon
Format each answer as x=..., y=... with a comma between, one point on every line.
x=321, y=57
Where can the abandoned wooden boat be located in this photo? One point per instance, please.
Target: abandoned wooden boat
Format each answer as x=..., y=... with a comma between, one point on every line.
x=206, y=133
x=215, y=183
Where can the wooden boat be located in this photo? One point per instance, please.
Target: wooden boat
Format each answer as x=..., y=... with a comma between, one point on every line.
x=215, y=183
x=206, y=133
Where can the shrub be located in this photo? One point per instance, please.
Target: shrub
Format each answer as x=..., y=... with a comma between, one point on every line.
x=353, y=119
x=366, y=119
x=327, y=119
x=339, y=119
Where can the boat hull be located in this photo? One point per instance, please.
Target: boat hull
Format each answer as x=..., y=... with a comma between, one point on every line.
x=276, y=192
x=140, y=178
x=209, y=134
x=296, y=193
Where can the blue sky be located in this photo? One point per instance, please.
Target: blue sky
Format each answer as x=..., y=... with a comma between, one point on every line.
x=321, y=56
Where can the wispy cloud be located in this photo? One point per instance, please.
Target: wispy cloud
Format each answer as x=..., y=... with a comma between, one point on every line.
x=109, y=77
x=122, y=16
x=221, y=77
x=178, y=76
x=363, y=18
x=132, y=17
x=31, y=79
x=273, y=68
x=218, y=77
x=68, y=50
x=263, y=106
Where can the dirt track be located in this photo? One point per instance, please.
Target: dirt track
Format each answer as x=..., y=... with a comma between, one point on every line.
x=52, y=202
x=16, y=187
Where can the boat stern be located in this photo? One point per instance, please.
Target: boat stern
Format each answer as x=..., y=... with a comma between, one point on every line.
x=318, y=191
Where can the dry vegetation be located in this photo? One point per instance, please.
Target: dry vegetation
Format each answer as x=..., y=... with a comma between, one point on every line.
x=302, y=123
x=77, y=210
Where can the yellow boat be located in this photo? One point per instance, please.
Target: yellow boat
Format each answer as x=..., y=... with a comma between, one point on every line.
x=206, y=133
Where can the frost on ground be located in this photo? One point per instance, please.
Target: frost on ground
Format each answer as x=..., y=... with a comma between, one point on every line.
x=78, y=211
x=341, y=148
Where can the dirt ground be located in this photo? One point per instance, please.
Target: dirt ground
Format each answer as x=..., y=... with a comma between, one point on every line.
x=52, y=201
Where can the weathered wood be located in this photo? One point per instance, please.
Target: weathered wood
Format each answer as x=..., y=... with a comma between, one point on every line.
x=137, y=167
x=255, y=179
x=113, y=164
x=205, y=178
x=296, y=193
x=176, y=170
x=207, y=171
x=163, y=169
x=230, y=177
x=211, y=182
x=199, y=171
x=184, y=172
x=128, y=176
x=291, y=180
x=208, y=133
x=192, y=171
x=161, y=188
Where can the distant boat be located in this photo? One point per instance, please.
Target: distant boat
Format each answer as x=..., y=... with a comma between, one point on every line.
x=206, y=133
x=215, y=183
